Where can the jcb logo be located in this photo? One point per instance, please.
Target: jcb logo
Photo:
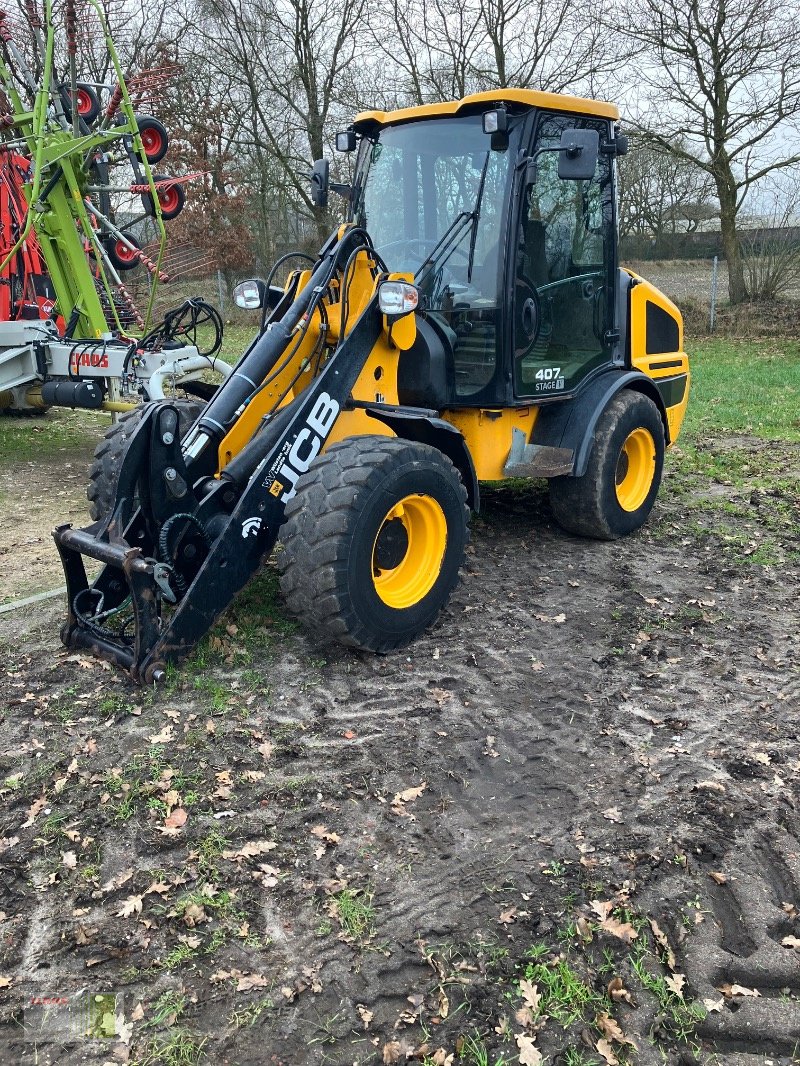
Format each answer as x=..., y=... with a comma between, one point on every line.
x=308, y=442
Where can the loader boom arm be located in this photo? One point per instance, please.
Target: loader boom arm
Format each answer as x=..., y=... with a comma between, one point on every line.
x=170, y=496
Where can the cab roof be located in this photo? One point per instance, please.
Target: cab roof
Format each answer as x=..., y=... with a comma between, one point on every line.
x=525, y=97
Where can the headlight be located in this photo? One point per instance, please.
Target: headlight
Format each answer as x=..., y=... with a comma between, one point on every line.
x=397, y=298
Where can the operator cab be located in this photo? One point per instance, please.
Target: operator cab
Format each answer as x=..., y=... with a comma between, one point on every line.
x=515, y=263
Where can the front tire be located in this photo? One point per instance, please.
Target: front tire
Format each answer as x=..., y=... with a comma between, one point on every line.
x=373, y=541
x=616, y=494
x=110, y=453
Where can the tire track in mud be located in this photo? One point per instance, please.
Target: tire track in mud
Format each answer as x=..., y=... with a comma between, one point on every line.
x=587, y=718
x=738, y=943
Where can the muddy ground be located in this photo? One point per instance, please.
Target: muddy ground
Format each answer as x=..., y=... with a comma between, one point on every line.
x=563, y=823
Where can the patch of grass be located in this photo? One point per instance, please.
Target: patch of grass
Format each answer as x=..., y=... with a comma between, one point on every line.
x=222, y=904
x=260, y=605
x=60, y=431
x=565, y=996
x=474, y=1053
x=250, y=1014
x=680, y=1017
x=210, y=848
x=353, y=910
x=217, y=691
x=167, y=1008
x=180, y=1047
x=573, y=1057
x=175, y=958
x=749, y=387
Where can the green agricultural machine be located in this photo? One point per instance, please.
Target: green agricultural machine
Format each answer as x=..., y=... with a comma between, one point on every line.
x=70, y=153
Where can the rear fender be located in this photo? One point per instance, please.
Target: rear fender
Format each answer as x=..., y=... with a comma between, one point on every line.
x=572, y=424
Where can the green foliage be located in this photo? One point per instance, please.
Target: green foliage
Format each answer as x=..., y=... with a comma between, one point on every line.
x=748, y=387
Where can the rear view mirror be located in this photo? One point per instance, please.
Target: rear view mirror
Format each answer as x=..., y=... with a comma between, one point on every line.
x=250, y=294
x=577, y=155
x=346, y=141
x=319, y=178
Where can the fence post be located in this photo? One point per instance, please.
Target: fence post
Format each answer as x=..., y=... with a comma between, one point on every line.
x=220, y=292
x=713, y=314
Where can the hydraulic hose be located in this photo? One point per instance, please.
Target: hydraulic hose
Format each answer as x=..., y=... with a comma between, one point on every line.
x=222, y=409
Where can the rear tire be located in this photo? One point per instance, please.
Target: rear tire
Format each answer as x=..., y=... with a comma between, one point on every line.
x=110, y=453
x=121, y=256
x=373, y=541
x=154, y=138
x=171, y=199
x=616, y=494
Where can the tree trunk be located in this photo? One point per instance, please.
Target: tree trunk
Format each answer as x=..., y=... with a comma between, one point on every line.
x=730, y=244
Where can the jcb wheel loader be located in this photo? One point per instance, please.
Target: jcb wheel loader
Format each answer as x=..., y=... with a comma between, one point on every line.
x=468, y=323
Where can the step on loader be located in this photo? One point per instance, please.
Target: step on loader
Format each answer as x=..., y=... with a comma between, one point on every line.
x=469, y=322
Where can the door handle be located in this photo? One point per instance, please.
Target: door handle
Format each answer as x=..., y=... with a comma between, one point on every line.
x=530, y=318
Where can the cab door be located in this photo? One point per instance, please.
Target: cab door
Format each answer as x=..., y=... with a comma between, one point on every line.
x=564, y=269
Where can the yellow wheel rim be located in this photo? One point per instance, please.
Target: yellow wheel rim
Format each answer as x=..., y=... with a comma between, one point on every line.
x=636, y=468
x=408, y=551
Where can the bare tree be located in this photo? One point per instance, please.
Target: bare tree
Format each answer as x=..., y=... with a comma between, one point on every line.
x=725, y=75
x=771, y=250
x=662, y=192
x=284, y=61
x=434, y=50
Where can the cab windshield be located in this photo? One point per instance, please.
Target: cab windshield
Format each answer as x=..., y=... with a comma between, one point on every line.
x=432, y=196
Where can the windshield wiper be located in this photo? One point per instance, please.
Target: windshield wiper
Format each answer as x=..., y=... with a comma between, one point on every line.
x=449, y=240
x=476, y=214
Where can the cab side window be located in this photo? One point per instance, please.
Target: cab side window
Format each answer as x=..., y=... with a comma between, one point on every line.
x=563, y=269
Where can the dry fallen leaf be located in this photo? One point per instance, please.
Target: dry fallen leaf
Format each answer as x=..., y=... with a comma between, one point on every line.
x=617, y=990
x=410, y=794
x=252, y=980
x=605, y=1049
x=718, y=877
x=391, y=1052
x=5, y=982
x=610, y=1028
x=508, y=916
x=194, y=914
x=602, y=908
x=738, y=990
x=528, y=1055
x=791, y=942
x=712, y=1005
x=365, y=1015
x=523, y=1016
x=661, y=939
x=251, y=849
x=33, y=811
x=325, y=834
x=612, y=814
x=69, y=859
x=623, y=930
x=176, y=819
x=530, y=993
x=675, y=983
x=132, y=905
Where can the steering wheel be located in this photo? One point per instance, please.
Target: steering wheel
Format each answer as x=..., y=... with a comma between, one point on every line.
x=527, y=316
x=425, y=248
